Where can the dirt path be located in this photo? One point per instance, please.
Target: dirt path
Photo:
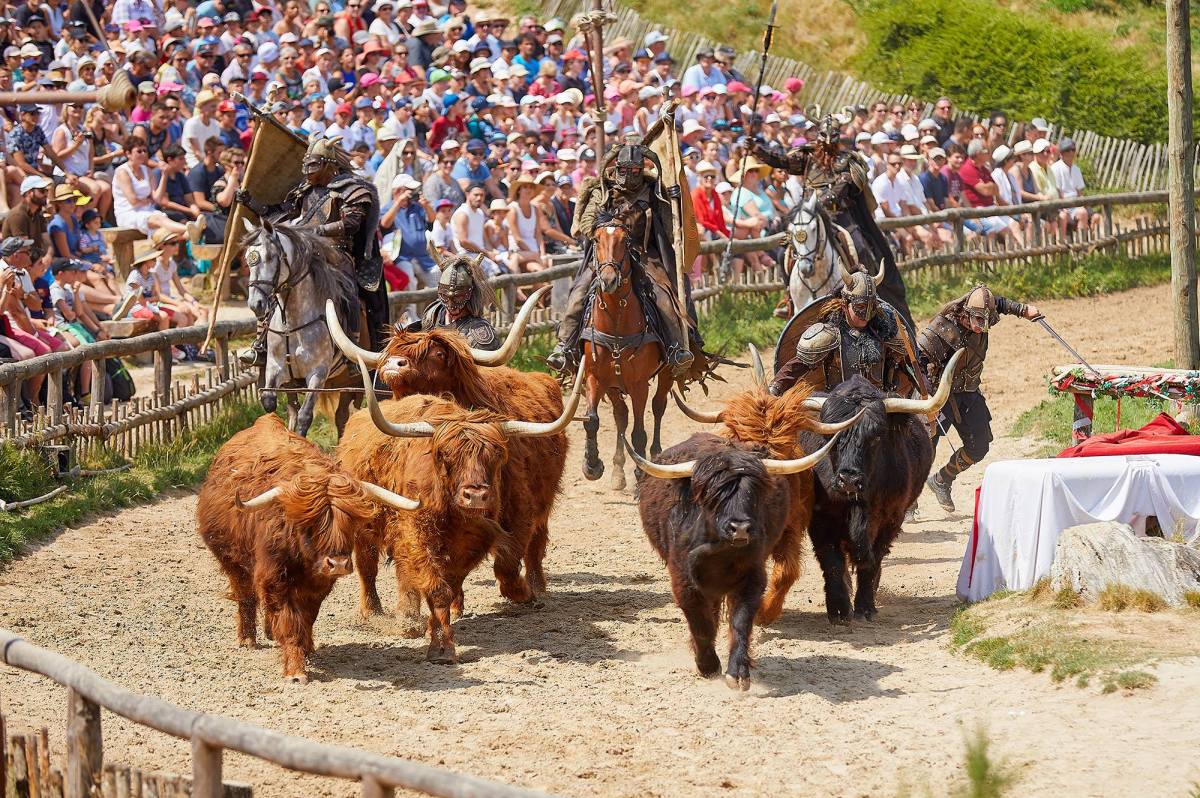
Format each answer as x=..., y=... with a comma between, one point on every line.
x=595, y=694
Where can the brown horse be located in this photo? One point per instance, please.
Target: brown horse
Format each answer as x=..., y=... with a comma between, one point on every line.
x=621, y=353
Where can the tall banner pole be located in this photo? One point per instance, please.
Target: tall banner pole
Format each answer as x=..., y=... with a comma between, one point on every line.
x=751, y=131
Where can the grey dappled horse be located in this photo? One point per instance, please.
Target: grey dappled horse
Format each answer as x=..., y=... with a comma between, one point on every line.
x=293, y=271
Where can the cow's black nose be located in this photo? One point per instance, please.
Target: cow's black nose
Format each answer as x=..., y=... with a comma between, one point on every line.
x=739, y=532
x=850, y=479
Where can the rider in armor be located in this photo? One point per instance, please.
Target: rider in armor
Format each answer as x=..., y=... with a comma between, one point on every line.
x=859, y=335
x=344, y=208
x=964, y=324
x=839, y=177
x=461, y=303
x=627, y=185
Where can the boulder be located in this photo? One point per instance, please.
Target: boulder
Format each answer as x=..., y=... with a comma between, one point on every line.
x=1090, y=557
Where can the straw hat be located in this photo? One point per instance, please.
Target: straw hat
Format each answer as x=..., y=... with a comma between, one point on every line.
x=64, y=193
x=162, y=236
x=755, y=165
x=152, y=255
x=515, y=189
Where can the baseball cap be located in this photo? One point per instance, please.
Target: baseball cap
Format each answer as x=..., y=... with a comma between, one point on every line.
x=362, y=102
x=927, y=124
x=476, y=145
x=936, y=152
x=226, y=107
x=448, y=100
x=723, y=187
x=910, y=133
x=1066, y=144
x=793, y=84
x=369, y=79
x=404, y=180
x=929, y=140
x=442, y=203
x=343, y=108
x=449, y=145
x=1022, y=147
x=1040, y=146
x=863, y=136
x=879, y=137
x=60, y=265
x=1039, y=124
x=35, y=181
x=11, y=246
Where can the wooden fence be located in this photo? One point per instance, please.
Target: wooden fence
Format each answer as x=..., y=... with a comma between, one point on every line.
x=210, y=736
x=1115, y=164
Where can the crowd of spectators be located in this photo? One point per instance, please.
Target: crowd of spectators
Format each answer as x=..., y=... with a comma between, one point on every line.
x=477, y=133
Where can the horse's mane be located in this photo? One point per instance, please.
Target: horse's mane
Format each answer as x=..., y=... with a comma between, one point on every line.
x=330, y=280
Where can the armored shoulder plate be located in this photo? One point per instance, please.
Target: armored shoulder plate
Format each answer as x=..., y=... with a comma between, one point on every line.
x=480, y=334
x=940, y=339
x=817, y=342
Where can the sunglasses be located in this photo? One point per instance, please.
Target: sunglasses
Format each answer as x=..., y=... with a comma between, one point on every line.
x=893, y=163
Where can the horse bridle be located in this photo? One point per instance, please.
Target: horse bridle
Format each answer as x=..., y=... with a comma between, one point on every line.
x=630, y=250
x=813, y=252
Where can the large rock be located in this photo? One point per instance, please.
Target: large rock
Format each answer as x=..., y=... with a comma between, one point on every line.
x=1090, y=557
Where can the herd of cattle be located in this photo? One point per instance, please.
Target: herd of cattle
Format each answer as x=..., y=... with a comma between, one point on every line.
x=466, y=460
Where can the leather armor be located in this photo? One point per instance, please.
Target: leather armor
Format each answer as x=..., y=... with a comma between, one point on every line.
x=480, y=334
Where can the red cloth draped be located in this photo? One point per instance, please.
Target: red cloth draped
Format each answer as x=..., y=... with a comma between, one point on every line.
x=1163, y=435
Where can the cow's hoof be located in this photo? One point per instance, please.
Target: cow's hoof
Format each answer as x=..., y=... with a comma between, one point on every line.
x=866, y=614
x=297, y=678
x=708, y=664
x=737, y=682
x=247, y=642
x=444, y=655
x=593, y=471
x=839, y=620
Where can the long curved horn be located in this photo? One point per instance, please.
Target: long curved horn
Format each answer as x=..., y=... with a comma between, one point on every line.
x=348, y=347
x=815, y=403
x=411, y=429
x=261, y=500
x=760, y=374
x=934, y=403
x=780, y=467
x=533, y=429
x=878, y=278
x=846, y=274
x=483, y=357
x=704, y=417
x=433, y=253
x=834, y=427
x=385, y=496
x=660, y=470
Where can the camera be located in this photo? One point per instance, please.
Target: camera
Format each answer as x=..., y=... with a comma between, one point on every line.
x=89, y=135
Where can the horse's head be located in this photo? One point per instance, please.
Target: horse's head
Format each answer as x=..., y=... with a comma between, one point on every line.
x=611, y=259
x=267, y=264
x=806, y=234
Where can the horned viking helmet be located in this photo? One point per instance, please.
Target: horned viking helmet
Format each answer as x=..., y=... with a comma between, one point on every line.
x=455, y=285
x=829, y=131
x=859, y=289
x=324, y=159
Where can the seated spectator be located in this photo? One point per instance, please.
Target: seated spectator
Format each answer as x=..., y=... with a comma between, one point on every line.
x=27, y=219
x=14, y=343
x=441, y=184
x=981, y=191
x=526, y=228
x=71, y=314
x=468, y=223
x=1069, y=180
x=138, y=300
x=168, y=288
x=222, y=194
x=441, y=235
x=27, y=146
x=557, y=239
x=1047, y=186
x=495, y=235
x=64, y=228
x=133, y=194
x=706, y=204
x=889, y=198
x=37, y=320
x=71, y=143
x=173, y=193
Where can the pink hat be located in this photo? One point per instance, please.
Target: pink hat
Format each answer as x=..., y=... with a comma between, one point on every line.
x=688, y=91
x=369, y=79
x=133, y=26
x=793, y=84
x=736, y=85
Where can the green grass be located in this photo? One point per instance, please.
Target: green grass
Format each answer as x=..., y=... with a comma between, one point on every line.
x=985, y=777
x=1129, y=680
x=1065, y=278
x=1118, y=598
x=179, y=464
x=1051, y=419
x=1192, y=598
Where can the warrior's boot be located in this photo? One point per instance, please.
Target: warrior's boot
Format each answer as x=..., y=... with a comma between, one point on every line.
x=565, y=353
x=941, y=481
x=941, y=491
x=256, y=355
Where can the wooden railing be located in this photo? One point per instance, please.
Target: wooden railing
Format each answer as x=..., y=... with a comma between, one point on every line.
x=210, y=736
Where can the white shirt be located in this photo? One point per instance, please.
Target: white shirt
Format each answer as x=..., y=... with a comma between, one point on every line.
x=887, y=193
x=1069, y=179
x=195, y=130
x=1004, y=188
x=442, y=235
x=911, y=189
x=313, y=127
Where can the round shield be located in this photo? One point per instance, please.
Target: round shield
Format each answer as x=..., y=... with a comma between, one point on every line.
x=785, y=347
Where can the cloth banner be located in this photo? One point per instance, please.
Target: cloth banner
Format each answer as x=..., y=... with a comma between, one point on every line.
x=272, y=170
x=666, y=146
x=1162, y=435
x=1024, y=505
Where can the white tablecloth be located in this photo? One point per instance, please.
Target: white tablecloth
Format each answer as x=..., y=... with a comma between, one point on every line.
x=1025, y=504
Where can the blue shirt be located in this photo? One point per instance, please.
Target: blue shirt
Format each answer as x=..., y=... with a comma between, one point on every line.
x=71, y=231
x=411, y=224
x=462, y=169
x=530, y=64
x=936, y=188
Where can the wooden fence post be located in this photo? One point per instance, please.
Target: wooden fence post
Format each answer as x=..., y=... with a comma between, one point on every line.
x=222, y=356
x=960, y=236
x=1108, y=219
x=206, y=770
x=8, y=417
x=162, y=375
x=373, y=788
x=85, y=746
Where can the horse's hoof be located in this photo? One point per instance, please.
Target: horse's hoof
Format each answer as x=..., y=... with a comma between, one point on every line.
x=593, y=473
x=618, y=479
x=444, y=655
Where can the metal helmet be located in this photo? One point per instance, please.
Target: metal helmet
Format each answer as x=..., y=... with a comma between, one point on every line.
x=324, y=156
x=979, y=306
x=829, y=131
x=456, y=285
x=630, y=165
x=860, y=294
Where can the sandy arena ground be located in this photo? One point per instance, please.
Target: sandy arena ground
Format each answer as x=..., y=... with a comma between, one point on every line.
x=595, y=694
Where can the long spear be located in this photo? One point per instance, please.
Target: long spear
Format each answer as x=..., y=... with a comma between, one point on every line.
x=755, y=120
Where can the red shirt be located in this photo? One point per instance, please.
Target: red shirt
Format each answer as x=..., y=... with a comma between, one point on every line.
x=971, y=176
x=708, y=212
x=443, y=128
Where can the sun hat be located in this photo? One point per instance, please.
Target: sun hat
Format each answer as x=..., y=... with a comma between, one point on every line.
x=910, y=152
x=162, y=236
x=1040, y=146
x=1001, y=154
x=936, y=152
x=143, y=258
x=524, y=180
x=64, y=193
x=724, y=187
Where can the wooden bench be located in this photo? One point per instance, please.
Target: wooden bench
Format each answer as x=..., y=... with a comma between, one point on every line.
x=120, y=241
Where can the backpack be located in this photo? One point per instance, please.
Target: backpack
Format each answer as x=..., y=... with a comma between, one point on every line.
x=118, y=383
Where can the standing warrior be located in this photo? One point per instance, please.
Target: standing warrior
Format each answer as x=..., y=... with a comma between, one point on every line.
x=964, y=324
x=463, y=297
x=627, y=186
x=344, y=208
x=840, y=179
x=859, y=333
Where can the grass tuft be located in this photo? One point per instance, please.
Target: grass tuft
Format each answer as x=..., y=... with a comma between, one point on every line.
x=986, y=778
x=1041, y=590
x=964, y=627
x=1118, y=597
x=1129, y=681
x=1065, y=599
x=1192, y=598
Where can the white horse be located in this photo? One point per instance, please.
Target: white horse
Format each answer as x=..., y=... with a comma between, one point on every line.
x=293, y=270
x=815, y=248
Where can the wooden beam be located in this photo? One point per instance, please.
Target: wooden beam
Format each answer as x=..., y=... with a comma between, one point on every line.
x=206, y=770
x=1181, y=185
x=85, y=746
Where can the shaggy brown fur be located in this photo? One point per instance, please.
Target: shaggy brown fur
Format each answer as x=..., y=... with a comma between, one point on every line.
x=757, y=418
x=285, y=556
x=439, y=362
x=436, y=546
